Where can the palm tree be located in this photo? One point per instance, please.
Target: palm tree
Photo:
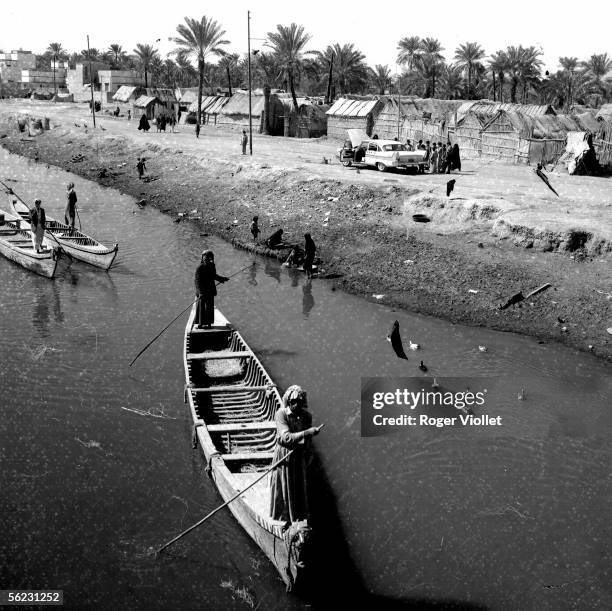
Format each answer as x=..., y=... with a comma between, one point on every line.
x=156, y=67
x=288, y=44
x=199, y=39
x=568, y=65
x=229, y=64
x=596, y=67
x=497, y=64
x=523, y=65
x=118, y=52
x=381, y=77
x=92, y=54
x=146, y=55
x=347, y=66
x=431, y=61
x=185, y=72
x=55, y=49
x=452, y=78
x=409, y=50
x=468, y=56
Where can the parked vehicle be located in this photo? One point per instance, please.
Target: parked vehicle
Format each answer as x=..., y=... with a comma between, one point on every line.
x=362, y=151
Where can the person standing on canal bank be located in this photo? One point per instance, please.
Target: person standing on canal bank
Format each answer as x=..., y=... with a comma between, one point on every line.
x=141, y=167
x=310, y=250
x=38, y=222
x=71, y=201
x=244, y=141
x=288, y=494
x=205, y=277
x=255, y=228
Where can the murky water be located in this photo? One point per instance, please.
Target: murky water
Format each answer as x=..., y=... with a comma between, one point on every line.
x=97, y=465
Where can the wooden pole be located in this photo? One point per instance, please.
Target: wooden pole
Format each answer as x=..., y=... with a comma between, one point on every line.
x=214, y=511
x=91, y=85
x=250, y=84
x=399, y=99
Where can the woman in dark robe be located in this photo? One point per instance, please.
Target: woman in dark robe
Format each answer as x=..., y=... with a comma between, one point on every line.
x=310, y=250
x=205, y=277
x=288, y=493
x=144, y=123
x=456, y=159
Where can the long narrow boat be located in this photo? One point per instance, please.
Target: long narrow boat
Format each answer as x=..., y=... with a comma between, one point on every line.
x=74, y=242
x=233, y=401
x=16, y=245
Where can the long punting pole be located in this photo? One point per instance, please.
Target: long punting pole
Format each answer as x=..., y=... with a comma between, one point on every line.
x=249, y=54
x=214, y=511
x=91, y=85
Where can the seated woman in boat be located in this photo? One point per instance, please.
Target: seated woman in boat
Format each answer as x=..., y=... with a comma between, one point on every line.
x=288, y=495
x=275, y=239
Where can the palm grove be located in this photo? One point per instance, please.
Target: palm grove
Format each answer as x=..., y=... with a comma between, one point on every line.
x=202, y=58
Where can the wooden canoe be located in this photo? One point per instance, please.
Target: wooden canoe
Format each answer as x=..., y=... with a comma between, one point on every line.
x=16, y=245
x=74, y=242
x=232, y=402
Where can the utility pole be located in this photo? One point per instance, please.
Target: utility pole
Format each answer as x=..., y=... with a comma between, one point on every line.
x=249, y=54
x=399, y=105
x=54, y=69
x=91, y=85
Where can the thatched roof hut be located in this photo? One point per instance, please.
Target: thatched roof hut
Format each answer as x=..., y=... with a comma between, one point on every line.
x=515, y=137
x=128, y=94
x=310, y=121
x=211, y=107
x=235, y=113
x=602, y=142
x=346, y=113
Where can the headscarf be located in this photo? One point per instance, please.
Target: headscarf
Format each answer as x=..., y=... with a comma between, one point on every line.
x=295, y=392
x=206, y=254
x=71, y=185
x=37, y=201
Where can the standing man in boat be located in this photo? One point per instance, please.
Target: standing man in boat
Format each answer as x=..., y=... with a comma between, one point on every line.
x=71, y=200
x=38, y=222
x=288, y=494
x=205, y=277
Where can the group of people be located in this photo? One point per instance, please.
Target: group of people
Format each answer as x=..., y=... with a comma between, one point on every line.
x=442, y=158
x=163, y=120
x=294, y=430
x=38, y=218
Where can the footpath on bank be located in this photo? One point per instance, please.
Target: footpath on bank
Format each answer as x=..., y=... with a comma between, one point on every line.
x=461, y=266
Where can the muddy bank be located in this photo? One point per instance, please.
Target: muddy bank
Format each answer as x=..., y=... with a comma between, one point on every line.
x=461, y=271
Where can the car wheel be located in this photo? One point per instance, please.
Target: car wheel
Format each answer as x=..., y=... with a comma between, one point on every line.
x=346, y=164
x=381, y=167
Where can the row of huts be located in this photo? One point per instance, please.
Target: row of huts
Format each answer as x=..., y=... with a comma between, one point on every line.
x=518, y=133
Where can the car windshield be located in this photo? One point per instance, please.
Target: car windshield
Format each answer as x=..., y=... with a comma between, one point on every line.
x=394, y=147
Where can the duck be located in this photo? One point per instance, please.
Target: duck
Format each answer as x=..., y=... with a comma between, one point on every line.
x=414, y=346
x=422, y=366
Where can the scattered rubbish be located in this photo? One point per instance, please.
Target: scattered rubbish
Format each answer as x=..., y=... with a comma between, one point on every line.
x=381, y=296
x=409, y=261
x=482, y=348
x=474, y=291
x=420, y=218
x=564, y=330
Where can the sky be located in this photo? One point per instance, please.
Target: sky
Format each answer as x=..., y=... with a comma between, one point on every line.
x=373, y=27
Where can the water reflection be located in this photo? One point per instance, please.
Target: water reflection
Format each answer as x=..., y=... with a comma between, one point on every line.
x=252, y=275
x=308, y=301
x=272, y=268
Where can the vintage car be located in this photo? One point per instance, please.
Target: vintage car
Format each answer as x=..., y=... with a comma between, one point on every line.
x=362, y=151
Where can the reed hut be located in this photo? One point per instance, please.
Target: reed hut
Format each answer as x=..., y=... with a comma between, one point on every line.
x=605, y=112
x=211, y=107
x=310, y=120
x=512, y=136
x=235, y=113
x=126, y=95
x=390, y=119
x=146, y=105
x=348, y=113
x=602, y=142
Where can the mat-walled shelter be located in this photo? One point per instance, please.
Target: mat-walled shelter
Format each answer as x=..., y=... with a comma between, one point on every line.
x=348, y=113
x=310, y=120
x=602, y=142
x=126, y=95
x=235, y=113
x=512, y=136
x=211, y=106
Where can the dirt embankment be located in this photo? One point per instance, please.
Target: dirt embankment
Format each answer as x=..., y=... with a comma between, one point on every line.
x=460, y=266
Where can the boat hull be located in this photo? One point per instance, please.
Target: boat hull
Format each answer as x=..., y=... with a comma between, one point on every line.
x=76, y=243
x=43, y=264
x=270, y=535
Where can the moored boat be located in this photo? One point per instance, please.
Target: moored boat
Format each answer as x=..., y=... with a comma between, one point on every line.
x=76, y=243
x=232, y=402
x=16, y=245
